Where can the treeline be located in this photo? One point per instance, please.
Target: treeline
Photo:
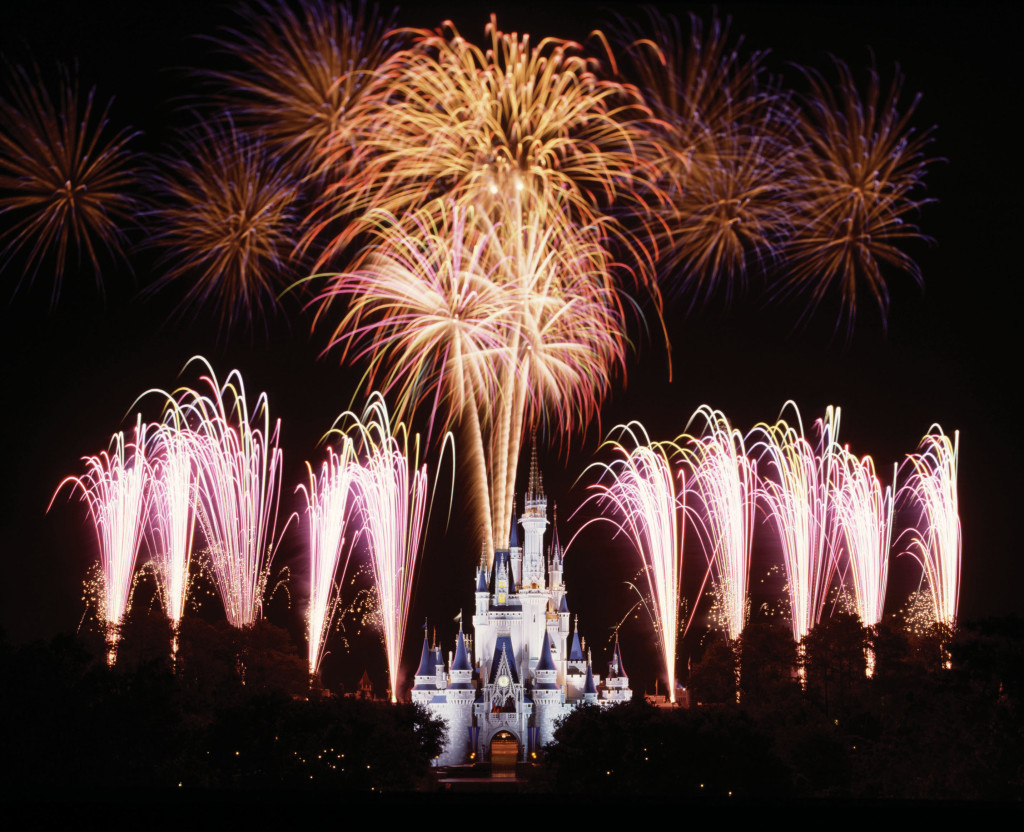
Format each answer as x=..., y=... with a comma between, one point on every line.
x=940, y=719
x=232, y=713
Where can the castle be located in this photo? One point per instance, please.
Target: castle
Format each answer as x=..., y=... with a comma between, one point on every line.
x=504, y=690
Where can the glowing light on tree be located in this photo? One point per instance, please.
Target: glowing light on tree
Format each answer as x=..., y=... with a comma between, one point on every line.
x=639, y=493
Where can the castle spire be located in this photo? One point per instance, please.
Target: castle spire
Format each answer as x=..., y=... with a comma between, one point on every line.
x=535, y=488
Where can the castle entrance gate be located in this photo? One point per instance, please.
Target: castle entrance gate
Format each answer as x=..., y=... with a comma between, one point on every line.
x=504, y=754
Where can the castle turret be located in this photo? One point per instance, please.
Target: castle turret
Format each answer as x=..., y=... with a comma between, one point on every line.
x=425, y=682
x=616, y=684
x=547, y=695
x=535, y=523
x=589, y=688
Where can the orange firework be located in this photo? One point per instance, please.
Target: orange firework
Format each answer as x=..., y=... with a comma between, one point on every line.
x=503, y=323
x=860, y=170
x=64, y=179
x=226, y=222
x=445, y=118
x=304, y=70
x=718, y=146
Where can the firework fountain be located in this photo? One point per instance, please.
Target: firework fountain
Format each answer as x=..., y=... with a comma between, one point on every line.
x=392, y=495
x=935, y=542
x=864, y=515
x=796, y=490
x=173, y=514
x=329, y=502
x=239, y=484
x=724, y=482
x=115, y=488
x=649, y=508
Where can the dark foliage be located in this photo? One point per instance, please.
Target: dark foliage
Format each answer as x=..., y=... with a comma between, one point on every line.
x=80, y=729
x=914, y=731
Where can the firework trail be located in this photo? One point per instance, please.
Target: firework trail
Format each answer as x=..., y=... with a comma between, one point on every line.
x=226, y=223
x=115, y=488
x=506, y=324
x=238, y=481
x=392, y=495
x=446, y=119
x=724, y=480
x=864, y=515
x=649, y=509
x=859, y=169
x=935, y=542
x=173, y=513
x=64, y=179
x=305, y=70
x=427, y=309
x=329, y=502
x=796, y=491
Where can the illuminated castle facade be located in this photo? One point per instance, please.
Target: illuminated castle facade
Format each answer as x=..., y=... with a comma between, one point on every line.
x=503, y=691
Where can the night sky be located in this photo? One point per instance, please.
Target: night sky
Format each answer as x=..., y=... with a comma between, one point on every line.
x=950, y=352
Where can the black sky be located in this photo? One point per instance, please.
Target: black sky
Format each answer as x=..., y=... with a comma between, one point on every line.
x=950, y=354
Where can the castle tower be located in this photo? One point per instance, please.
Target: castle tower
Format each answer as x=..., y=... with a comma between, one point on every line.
x=616, y=684
x=535, y=523
x=547, y=695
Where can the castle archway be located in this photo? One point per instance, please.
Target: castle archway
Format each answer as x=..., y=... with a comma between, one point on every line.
x=504, y=754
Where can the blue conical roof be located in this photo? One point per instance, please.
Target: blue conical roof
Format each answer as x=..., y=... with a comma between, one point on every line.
x=426, y=667
x=461, y=655
x=546, y=662
x=588, y=685
x=576, y=652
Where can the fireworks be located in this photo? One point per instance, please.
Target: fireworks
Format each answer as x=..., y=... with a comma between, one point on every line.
x=239, y=483
x=649, y=510
x=173, y=514
x=305, y=71
x=935, y=542
x=725, y=482
x=718, y=143
x=504, y=323
x=392, y=490
x=115, y=488
x=860, y=167
x=796, y=492
x=864, y=515
x=226, y=223
x=64, y=179
x=445, y=118
x=328, y=503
